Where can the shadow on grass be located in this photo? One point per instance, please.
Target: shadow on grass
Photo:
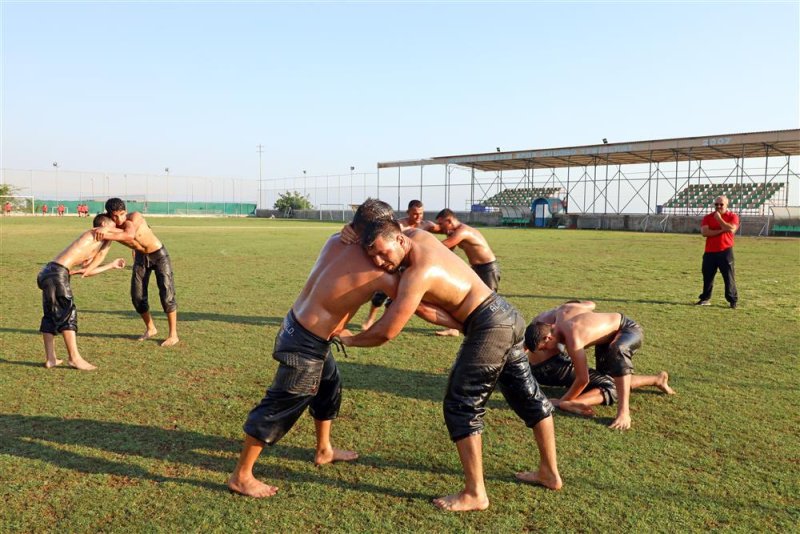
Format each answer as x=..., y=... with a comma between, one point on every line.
x=184, y=316
x=80, y=334
x=22, y=363
x=406, y=383
x=44, y=438
x=685, y=302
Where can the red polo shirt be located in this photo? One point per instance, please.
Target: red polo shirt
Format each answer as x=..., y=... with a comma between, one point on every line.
x=723, y=241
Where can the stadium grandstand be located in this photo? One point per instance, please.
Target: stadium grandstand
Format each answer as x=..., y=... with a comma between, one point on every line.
x=623, y=185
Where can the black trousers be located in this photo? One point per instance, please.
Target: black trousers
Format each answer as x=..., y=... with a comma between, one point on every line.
x=722, y=261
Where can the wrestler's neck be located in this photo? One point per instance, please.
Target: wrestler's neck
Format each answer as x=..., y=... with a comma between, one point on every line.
x=408, y=248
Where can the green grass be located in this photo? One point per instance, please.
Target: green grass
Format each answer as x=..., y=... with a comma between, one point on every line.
x=147, y=442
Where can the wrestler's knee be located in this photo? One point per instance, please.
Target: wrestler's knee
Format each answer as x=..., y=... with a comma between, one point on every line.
x=140, y=304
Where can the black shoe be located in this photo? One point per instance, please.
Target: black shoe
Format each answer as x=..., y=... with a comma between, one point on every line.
x=733, y=305
x=702, y=303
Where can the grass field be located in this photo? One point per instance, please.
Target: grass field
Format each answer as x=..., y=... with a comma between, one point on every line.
x=146, y=442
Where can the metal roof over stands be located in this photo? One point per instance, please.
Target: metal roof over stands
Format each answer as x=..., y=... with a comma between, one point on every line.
x=728, y=146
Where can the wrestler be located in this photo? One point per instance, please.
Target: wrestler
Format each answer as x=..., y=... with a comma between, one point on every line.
x=491, y=353
x=614, y=337
x=150, y=256
x=415, y=218
x=59, y=312
x=342, y=279
x=554, y=367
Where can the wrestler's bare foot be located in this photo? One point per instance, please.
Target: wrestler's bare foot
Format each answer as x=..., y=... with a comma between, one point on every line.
x=578, y=408
x=331, y=455
x=81, y=364
x=170, y=341
x=542, y=478
x=462, y=502
x=50, y=364
x=663, y=383
x=449, y=332
x=622, y=422
x=250, y=487
x=150, y=332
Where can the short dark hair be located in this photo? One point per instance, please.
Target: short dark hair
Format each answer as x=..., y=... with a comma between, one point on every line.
x=447, y=212
x=386, y=228
x=415, y=204
x=535, y=334
x=370, y=211
x=100, y=219
x=115, y=204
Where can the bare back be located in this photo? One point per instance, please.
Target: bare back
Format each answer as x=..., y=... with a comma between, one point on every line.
x=342, y=279
x=443, y=278
x=589, y=329
x=144, y=240
x=83, y=248
x=472, y=242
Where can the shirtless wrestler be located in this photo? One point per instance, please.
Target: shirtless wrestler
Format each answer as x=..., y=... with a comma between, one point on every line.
x=615, y=339
x=491, y=353
x=554, y=368
x=59, y=314
x=150, y=255
x=342, y=279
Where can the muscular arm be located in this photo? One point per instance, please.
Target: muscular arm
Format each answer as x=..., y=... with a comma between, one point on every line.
x=578, y=356
x=96, y=260
x=454, y=239
x=125, y=234
x=436, y=315
x=118, y=263
x=432, y=227
x=411, y=290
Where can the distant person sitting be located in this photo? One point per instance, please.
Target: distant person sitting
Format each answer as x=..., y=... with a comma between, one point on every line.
x=59, y=312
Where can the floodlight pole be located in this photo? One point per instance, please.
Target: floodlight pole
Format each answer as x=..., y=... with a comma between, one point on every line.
x=351, y=183
x=260, y=150
x=166, y=170
x=55, y=164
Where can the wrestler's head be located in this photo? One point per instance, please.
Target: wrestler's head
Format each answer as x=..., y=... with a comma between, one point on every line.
x=447, y=220
x=102, y=219
x=370, y=211
x=385, y=244
x=415, y=212
x=539, y=336
x=115, y=208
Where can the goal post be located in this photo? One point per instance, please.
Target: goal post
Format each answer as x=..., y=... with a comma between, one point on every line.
x=335, y=212
x=19, y=204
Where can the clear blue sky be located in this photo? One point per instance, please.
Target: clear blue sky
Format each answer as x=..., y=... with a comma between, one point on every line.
x=124, y=87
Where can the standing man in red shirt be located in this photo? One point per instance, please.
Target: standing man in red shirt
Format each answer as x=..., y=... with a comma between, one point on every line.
x=718, y=228
x=61, y=210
